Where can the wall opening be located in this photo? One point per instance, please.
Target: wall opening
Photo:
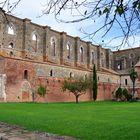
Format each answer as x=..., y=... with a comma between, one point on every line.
x=34, y=42
x=92, y=57
x=11, y=46
x=126, y=82
x=82, y=54
x=51, y=73
x=68, y=51
x=10, y=30
x=26, y=74
x=53, y=45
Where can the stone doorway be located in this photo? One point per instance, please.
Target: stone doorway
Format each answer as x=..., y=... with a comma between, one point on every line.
x=26, y=92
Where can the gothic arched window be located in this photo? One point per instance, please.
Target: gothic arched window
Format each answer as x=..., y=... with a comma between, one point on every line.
x=11, y=30
x=131, y=56
x=53, y=47
x=102, y=60
x=11, y=46
x=34, y=37
x=81, y=54
x=92, y=57
x=34, y=42
x=68, y=51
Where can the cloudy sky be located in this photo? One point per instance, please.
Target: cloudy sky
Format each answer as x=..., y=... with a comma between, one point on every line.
x=33, y=9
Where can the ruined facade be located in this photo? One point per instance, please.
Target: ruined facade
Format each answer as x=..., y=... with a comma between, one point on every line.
x=33, y=55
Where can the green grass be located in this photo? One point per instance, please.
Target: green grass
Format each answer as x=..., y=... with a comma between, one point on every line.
x=87, y=121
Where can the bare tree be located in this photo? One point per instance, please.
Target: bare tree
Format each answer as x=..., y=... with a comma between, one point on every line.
x=120, y=14
x=8, y=5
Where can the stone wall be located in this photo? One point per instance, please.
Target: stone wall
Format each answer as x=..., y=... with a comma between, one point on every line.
x=2, y=87
x=20, y=38
x=124, y=60
x=24, y=77
x=33, y=54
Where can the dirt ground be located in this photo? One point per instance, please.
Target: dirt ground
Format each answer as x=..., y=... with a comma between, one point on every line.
x=13, y=132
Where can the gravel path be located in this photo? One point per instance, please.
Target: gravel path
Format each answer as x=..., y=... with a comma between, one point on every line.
x=13, y=132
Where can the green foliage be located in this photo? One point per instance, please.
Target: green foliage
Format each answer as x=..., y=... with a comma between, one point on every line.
x=136, y=4
x=95, y=86
x=42, y=90
x=77, y=87
x=133, y=75
x=126, y=94
x=119, y=93
x=123, y=94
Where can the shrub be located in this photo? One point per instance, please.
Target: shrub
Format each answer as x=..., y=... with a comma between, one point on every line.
x=126, y=94
x=119, y=93
x=42, y=90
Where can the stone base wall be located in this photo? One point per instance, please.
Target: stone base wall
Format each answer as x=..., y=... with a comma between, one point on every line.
x=19, y=89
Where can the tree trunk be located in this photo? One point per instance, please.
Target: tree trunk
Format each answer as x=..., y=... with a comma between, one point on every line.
x=133, y=89
x=77, y=99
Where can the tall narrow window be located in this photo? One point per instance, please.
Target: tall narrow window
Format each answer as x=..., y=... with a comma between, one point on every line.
x=92, y=57
x=102, y=59
x=71, y=75
x=132, y=64
x=34, y=42
x=11, y=46
x=68, y=51
x=53, y=45
x=10, y=30
x=119, y=65
x=25, y=74
x=125, y=81
x=81, y=54
x=51, y=73
x=34, y=37
x=131, y=56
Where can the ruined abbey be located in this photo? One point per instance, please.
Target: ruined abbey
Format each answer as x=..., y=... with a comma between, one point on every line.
x=33, y=55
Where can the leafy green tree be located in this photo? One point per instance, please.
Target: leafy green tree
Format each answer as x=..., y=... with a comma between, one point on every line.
x=133, y=76
x=77, y=87
x=42, y=90
x=95, y=86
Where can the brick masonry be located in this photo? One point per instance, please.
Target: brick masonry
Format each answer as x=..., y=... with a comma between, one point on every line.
x=31, y=54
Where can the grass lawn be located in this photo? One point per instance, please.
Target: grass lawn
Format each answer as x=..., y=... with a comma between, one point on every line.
x=87, y=121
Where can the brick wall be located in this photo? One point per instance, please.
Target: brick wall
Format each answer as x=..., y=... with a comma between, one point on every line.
x=20, y=89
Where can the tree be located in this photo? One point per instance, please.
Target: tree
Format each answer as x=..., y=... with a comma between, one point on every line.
x=9, y=5
x=122, y=94
x=126, y=94
x=119, y=93
x=77, y=87
x=42, y=90
x=121, y=14
x=95, y=86
x=133, y=76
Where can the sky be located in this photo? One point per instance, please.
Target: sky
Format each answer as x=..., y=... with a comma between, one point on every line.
x=32, y=9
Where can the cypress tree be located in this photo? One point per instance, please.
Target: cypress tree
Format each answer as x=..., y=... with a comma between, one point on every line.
x=95, y=86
